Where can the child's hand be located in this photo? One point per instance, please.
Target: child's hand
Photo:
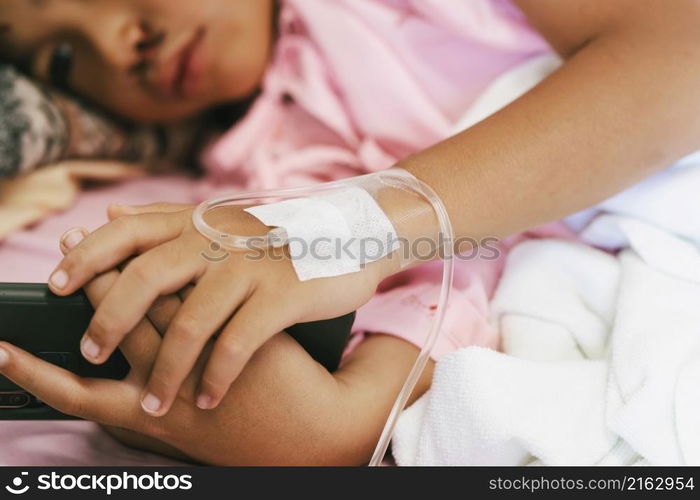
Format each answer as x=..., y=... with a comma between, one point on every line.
x=246, y=300
x=31, y=197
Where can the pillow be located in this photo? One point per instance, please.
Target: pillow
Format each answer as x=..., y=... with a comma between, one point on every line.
x=40, y=126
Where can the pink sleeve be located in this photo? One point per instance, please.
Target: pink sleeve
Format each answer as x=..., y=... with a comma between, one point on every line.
x=406, y=305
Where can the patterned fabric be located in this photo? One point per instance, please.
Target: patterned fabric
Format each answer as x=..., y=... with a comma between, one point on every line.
x=39, y=126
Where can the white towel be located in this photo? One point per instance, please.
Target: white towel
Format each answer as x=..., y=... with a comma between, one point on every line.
x=601, y=363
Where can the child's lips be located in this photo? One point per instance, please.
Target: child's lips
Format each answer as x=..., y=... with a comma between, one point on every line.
x=179, y=76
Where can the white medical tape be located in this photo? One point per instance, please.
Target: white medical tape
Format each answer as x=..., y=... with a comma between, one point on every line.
x=331, y=234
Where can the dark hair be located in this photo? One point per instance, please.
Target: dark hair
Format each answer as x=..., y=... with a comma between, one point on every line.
x=4, y=29
x=222, y=117
x=216, y=120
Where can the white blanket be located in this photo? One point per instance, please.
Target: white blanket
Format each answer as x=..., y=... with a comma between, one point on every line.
x=602, y=364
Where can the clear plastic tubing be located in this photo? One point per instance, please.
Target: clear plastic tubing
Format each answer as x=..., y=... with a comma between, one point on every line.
x=395, y=177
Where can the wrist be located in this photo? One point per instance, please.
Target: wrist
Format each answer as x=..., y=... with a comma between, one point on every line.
x=417, y=228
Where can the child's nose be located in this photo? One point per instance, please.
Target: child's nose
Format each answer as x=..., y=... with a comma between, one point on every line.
x=127, y=46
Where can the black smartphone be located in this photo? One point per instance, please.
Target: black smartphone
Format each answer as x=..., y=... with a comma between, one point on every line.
x=50, y=327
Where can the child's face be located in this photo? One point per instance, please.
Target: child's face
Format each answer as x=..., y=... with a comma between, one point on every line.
x=148, y=60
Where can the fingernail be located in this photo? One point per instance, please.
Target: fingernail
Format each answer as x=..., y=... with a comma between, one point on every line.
x=72, y=238
x=150, y=403
x=90, y=349
x=4, y=357
x=59, y=279
x=204, y=402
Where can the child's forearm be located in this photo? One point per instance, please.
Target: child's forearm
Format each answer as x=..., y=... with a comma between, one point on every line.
x=624, y=105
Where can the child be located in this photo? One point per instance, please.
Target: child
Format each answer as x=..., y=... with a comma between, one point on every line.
x=558, y=149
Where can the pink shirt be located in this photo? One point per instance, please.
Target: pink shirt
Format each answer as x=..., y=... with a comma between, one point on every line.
x=356, y=85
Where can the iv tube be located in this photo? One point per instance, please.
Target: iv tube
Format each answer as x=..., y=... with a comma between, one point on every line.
x=394, y=177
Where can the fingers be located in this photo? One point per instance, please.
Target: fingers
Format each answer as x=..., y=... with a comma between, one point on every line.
x=165, y=308
x=117, y=209
x=256, y=321
x=160, y=271
x=204, y=311
x=162, y=312
x=71, y=238
x=105, y=401
x=141, y=346
x=103, y=170
x=185, y=292
x=106, y=247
